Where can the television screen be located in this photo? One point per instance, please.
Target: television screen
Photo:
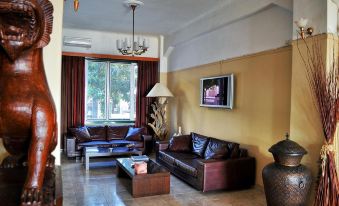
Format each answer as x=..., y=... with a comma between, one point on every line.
x=217, y=91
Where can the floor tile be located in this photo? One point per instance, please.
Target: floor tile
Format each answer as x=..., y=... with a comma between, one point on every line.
x=101, y=187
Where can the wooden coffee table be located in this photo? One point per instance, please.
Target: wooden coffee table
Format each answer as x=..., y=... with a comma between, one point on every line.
x=155, y=182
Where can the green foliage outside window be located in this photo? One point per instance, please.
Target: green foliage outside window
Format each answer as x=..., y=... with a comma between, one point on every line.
x=96, y=87
x=119, y=85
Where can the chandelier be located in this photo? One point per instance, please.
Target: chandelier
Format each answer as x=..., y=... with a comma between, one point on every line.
x=127, y=47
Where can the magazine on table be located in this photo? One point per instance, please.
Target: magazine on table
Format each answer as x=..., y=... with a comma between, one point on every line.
x=92, y=149
x=140, y=158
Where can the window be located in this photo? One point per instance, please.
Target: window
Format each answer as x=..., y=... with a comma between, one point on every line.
x=110, y=91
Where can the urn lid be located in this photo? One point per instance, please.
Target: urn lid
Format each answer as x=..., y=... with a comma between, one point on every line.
x=287, y=147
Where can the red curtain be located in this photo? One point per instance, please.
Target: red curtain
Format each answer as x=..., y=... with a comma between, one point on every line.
x=148, y=76
x=72, y=92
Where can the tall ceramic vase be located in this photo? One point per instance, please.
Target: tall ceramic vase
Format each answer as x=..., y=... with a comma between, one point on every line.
x=286, y=181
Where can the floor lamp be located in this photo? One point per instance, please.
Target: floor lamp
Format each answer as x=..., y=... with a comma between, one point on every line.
x=159, y=124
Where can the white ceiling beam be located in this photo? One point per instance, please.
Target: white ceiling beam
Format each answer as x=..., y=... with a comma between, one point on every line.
x=226, y=14
x=286, y=4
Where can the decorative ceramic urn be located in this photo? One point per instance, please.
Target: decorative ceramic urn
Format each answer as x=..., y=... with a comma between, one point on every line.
x=286, y=181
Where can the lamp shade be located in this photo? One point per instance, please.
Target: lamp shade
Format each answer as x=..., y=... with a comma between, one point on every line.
x=302, y=22
x=159, y=90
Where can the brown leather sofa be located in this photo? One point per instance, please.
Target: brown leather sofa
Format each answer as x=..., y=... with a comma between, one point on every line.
x=104, y=136
x=207, y=163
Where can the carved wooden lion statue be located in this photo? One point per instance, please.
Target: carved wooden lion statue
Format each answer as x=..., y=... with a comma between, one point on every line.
x=27, y=112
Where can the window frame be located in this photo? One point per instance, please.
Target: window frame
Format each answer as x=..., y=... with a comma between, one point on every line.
x=107, y=119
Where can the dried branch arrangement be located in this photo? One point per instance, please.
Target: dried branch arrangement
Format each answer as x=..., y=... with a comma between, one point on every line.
x=159, y=124
x=323, y=82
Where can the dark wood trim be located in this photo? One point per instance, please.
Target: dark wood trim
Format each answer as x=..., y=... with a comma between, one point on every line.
x=109, y=56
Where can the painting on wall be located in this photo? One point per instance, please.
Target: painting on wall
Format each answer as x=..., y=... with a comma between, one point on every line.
x=217, y=91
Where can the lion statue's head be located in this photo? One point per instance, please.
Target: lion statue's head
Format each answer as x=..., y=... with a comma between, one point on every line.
x=24, y=25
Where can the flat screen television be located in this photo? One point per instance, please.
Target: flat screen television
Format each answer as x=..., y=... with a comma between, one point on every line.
x=217, y=91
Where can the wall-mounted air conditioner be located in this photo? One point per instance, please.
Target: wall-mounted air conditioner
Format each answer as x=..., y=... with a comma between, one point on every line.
x=78, y=42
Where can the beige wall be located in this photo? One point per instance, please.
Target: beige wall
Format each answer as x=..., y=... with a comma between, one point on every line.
x=272, y=96
x=305, y=124
x=163, y=78
x=52, y=61
x=262, y=102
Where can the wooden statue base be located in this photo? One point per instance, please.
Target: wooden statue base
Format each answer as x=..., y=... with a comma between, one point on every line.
x=12, y=180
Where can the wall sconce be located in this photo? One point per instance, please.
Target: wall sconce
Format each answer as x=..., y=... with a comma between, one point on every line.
x=302, y=23
x=76, y=5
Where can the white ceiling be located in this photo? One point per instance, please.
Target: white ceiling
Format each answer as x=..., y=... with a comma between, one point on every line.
x=154, y=17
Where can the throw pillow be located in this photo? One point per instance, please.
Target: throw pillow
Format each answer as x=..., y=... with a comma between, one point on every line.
x=81, y=134
x=180, y=143
x=199, y=143
x=216, y=149
x=134, y=134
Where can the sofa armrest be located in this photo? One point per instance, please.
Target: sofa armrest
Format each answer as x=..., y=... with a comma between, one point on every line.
x=146, y=137
x=70, y=144
x=243, y=152
x=236, y=173
x=148, y=143
x=64, y=139
x=161, y=145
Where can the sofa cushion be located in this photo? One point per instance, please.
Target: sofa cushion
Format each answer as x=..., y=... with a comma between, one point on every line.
x=97, y=132
x=81, y=134
x=199, y=143
x=180, y=143
x=116, y=132
x=169, y=156
x=216, y=149
x=187, y=166
x=164, y=156
x=122, y=143
x=134, y=134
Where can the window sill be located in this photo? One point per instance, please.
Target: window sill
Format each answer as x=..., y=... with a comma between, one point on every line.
x=110, y=122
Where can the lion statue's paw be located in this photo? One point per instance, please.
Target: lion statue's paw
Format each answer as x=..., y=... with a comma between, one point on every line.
x=11, y=162
x=31, y=197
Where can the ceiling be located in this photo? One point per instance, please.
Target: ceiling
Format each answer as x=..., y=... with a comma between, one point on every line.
x=154, y=17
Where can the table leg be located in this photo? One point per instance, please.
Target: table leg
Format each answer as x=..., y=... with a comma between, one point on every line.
x=121, y=172
x=87, y=162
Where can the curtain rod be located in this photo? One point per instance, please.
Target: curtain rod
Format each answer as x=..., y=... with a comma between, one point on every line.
x=109, y=56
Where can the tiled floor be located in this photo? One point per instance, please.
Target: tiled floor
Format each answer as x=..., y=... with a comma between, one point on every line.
x=100, y=186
